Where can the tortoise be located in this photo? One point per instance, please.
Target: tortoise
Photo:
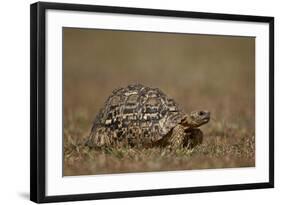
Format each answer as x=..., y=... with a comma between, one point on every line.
x=140, y=116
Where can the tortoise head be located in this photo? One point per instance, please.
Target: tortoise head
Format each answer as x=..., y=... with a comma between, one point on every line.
x=196, y=118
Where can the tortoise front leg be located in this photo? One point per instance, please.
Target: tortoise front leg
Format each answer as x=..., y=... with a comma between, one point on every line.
x=193, y=138
x=176, y=139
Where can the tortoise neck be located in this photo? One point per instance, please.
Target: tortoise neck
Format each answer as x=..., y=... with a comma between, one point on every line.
x=186, y=122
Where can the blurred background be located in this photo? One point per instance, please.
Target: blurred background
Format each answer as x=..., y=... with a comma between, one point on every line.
x=215, y=73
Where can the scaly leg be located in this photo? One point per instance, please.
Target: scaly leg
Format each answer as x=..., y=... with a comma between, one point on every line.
x=100, y=138
x=176, y=139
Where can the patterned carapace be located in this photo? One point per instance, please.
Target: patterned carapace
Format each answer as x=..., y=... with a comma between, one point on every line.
x=137, y=114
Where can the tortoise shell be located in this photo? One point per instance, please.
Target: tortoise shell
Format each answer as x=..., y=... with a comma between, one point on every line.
x=136, y=114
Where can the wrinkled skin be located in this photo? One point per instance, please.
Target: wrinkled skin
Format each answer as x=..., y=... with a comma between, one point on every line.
x=186, y=134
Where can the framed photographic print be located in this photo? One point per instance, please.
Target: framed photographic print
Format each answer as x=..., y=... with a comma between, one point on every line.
x=129, y=102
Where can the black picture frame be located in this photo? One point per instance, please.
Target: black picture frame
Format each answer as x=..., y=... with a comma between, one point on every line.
x=38, y=101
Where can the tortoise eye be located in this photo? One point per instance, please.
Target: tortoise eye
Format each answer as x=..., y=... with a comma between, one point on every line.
x=201, y=113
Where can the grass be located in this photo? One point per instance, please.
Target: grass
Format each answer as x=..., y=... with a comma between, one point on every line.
x=214, y=73
x=224, y=146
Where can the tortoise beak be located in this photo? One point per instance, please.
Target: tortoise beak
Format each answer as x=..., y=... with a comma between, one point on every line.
x=205, y=116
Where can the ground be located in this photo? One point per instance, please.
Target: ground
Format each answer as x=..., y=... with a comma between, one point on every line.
x=214, y=73
x=224, y=146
